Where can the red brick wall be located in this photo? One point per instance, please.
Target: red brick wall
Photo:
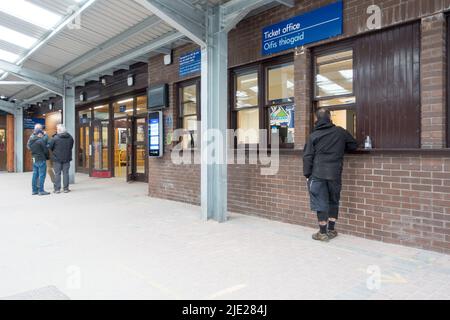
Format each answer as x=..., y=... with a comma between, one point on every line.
x=168, y=181
x=396, y=198
x=401, y=198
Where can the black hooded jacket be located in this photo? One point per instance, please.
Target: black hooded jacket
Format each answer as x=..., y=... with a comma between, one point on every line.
x=61, y=146
x=323, y=156
x=38, y=148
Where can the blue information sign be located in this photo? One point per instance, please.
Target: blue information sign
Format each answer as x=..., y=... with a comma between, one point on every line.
x=317, y=25
x=190, y=63
x=155, y=134
x=29, y=123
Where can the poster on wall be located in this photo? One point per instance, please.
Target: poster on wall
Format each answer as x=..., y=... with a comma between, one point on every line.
x=282, y=121
x=190, y=63
x=314, y=26
x=29, y=123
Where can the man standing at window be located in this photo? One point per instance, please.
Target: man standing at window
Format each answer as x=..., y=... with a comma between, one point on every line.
x=322, y=165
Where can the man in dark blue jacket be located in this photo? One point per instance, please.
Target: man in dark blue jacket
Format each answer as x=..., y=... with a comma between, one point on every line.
x=40, y=154
x=323, y=160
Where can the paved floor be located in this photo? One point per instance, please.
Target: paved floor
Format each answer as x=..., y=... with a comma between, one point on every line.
x=108, y=240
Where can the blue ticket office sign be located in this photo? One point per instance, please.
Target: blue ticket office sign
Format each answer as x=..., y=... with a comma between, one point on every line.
x=190, y=63
x=314, y=26
x=155, y=134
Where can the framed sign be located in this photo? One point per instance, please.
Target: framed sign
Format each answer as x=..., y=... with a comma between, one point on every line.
x=190, y=63
x=314, y=26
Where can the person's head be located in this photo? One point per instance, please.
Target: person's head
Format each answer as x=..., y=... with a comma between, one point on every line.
x=323, y=115
x=60, y=128
x=39, y=133
x=38, y=127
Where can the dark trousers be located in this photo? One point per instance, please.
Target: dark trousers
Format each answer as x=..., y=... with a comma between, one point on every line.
x=39, y=174
x=59, y=167
x=325, y=196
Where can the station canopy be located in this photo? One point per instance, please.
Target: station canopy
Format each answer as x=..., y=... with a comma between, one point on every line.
x=82, y=39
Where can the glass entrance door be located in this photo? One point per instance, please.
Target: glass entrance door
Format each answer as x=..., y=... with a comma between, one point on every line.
x=100, y=149
x=2, y=149
x=140, y=149
x=137, y=150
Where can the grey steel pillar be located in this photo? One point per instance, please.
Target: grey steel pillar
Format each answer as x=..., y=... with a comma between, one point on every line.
x=69, y=123
x=18, y=140
x=214, y=88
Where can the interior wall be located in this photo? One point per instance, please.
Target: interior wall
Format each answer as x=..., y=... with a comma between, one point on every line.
x=10, y=143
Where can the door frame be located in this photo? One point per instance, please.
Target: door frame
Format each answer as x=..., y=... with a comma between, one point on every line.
x=140, y=177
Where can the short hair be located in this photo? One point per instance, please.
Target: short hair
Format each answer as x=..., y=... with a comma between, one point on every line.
x=60, y=128
x=323, y=114
x=38, y=127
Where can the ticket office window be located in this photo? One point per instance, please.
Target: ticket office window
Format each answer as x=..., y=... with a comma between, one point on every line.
x=333, y=87
x=263, y=98
x=189, y=112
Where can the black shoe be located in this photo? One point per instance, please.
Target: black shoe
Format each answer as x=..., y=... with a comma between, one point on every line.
x=45, y=193
x=321, y=237
x=35, y=193
x=332, y=234
x=57, y=191
x=66, y=191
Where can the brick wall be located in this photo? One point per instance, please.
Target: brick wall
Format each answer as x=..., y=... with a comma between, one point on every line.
x=401, y=198
x=396, y=198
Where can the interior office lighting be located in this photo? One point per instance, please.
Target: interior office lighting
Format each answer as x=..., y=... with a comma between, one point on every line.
x=347, y=74
x=17, y=38
x=8, y=56
x=30, y=13
x=329, y=86
x=125, y=101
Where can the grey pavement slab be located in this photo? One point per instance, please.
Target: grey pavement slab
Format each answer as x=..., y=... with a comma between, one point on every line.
x=109, y=240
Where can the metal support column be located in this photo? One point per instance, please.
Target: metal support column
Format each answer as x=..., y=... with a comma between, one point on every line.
x=69, y=123
x=18, y=140
x=214, y=88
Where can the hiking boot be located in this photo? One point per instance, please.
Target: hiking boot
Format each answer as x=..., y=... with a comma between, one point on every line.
x=45, y=193
x=332, y=234
x=321, y=237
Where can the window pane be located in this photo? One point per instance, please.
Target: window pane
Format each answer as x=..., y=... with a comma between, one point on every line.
x=247, y=90
x=101, y=112
x=281, y=83
x=337, y=102
x=335, y=56
x=85, y=116
x=189, y=94
x=141, y=107
x=123, y=108
x=334, y=78
x=345, y=119
x=248, y=122
x=190, y=123
x=189, y=109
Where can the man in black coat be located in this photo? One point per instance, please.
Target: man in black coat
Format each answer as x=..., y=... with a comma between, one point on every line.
x=61, y=146
x=322, y=165
x=39, y=152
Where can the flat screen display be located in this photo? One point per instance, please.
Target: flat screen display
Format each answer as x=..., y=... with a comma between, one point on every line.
x=155, y=134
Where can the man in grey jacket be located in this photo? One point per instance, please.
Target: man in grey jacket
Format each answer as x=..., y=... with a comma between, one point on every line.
x=61, y=146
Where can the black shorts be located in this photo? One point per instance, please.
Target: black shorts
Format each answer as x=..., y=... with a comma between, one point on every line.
x=325, y=196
